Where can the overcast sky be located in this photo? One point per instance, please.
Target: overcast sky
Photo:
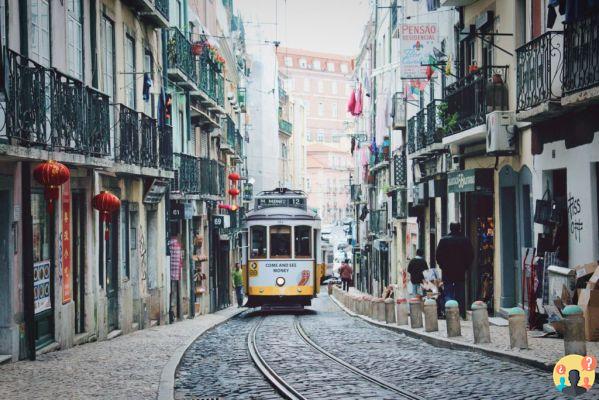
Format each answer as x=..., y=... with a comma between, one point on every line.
x=330, y=26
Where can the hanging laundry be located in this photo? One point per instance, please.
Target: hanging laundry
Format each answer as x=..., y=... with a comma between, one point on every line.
x=351, y=103
x=358, y=104
x=353, y=145
x=168, y=107
x=146, y=87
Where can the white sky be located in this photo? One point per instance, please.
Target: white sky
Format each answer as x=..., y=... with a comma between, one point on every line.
x=330, y=26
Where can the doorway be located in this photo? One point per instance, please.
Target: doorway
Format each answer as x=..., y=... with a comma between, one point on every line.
x=78, y=239
x=111, y=250
x=6, y=249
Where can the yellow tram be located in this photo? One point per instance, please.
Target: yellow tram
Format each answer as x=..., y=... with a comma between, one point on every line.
x=282, y=255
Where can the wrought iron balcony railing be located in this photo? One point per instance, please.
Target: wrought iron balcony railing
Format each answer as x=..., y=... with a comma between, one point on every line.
x=411, y=135
x=128, y=144
x=211, y=80
x=149, y=141
x=285, y=126
x=138, y=141
x=433, y=124
x=187, y=173
x=180, y=55
x=538, y=71
x=50, y=110
x=238, y=143
x=472, y=97
x=421, y=129
x=162, y=7
x=400, y=169
x=378, y=221
x=581, y=54
x=165, y=147
x=212, y=177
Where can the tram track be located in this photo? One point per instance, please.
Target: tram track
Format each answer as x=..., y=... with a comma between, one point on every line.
x=285, y=389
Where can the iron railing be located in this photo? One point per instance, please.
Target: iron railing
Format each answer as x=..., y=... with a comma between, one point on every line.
x=149, y=141
x=165, y=147
x=581, y=54
x=211, y=176
x=421, y=129
x=187, y=176
x=285, y=126
x=210, y=80
x=538, y=71
x=378, y=221
x=473, y=96
x=128, y=145
x=67, y=118
x=230, y=132
x=433, y=124
x=400, y=169
x=162, y=7
x=97, y=122
x=179, y=53
x=238, y=143
x=411, y=135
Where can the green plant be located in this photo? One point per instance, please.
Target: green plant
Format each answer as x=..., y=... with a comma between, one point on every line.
x=448, y=121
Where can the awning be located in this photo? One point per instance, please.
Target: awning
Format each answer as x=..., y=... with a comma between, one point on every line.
x=470, y=180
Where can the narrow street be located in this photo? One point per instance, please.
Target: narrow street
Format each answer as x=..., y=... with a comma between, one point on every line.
x=418, y=369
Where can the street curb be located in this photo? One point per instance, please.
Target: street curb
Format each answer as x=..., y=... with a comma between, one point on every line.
x=452, y=344
x=166, y=386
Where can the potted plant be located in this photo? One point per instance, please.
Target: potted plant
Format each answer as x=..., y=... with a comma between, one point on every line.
x=448, y=121
x=472, y=68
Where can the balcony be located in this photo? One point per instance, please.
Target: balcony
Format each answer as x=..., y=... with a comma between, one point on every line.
x=137, y=139
x=411, y=135
x=210, y=84
x=470, y=99
x=434, y=125
x=285, y=127
x=165, y=147
x=581, y=61
x=400, y=169
x=128, y=143
x=242, y=99
x=49, y=110
x=538, y=77
x=149, y=141
x=154, y=12
x=212, y=178
x=378, y=222
x=181, y=62
x=187, y=174
x=227, y=143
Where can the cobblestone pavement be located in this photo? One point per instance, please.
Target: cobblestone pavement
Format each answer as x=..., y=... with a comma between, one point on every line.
x=210, y=369
x=127, y=367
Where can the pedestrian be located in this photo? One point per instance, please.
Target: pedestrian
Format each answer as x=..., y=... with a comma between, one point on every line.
x=416, y=268
x=238, y=285
x=176, y=253
x=454, y=255
x=346, y=273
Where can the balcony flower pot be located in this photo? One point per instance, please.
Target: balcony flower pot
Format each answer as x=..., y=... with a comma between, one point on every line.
x=472, y=68
x=197, y=48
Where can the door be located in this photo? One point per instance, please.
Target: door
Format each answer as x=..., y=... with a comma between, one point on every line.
x=78, y=237
x=509, y=248
x=112, y=272
x=5, y=263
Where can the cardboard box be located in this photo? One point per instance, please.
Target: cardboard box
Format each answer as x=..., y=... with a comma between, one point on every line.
x=588, y=300
x=585, y=269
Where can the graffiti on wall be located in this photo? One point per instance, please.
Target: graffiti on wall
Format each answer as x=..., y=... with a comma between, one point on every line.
x=574, y=217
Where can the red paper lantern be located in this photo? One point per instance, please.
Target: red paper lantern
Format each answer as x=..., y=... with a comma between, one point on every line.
x=233, y=208
x=106, y=203
x=51, y=174
x=234, y=192
x=234, y=176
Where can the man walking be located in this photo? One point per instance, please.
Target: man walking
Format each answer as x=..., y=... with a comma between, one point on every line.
x=238, y=285
x=454, y=255
x=416, y=268
x=346, y=273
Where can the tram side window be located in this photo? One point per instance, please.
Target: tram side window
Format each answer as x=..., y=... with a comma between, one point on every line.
x=280, y=241
x=302, y=242
x=258, y=242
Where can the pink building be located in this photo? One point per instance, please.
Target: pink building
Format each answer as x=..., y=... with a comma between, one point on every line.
x=322, y=83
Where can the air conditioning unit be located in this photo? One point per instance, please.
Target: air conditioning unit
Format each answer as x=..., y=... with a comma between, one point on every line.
x=502, y=133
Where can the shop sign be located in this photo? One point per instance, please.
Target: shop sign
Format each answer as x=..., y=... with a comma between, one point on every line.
x=461, y=181
x=41, y=286
x=66, y=242
x=177, y=211
x=221, y=221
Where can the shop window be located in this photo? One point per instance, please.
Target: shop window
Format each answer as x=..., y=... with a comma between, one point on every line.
x=280, y=241
x=302, y=241
x=258, y=234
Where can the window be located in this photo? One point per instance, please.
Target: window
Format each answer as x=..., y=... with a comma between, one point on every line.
x=316, y=65
x=320, y=137
x=74, y=39
x=302, y=236
x=108, y=61
x=178, y=14
x=344, y=68
x=40, y=32
x=258, y=234
x=130, y=72
x=331, y=67
x=283, y=151
x=320, y=109
x=149, y=103
x=334, y=110
x=334, y=87
x=303, y=63
x=289, y=61
x=280, y=241
x=320, y=86
x=308, y=136
x=306, y=84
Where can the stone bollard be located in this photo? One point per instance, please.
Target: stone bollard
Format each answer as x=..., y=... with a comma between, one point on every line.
x=402, y=312
x=517, y=324
x=364, y=305
x=371, y=307
x=330, y=288
x=574, y=332
x=389, y=311
x=431, y=324
x=452, y=317
x=480, y=323
x=380, y=309
x=415, y=313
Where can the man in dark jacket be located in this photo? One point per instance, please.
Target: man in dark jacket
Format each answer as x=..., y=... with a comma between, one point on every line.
x=416, y=267
x=454, y=255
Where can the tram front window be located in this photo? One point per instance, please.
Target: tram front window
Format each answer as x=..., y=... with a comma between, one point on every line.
x=280, y=241
x=258, y=241
x=302, y=242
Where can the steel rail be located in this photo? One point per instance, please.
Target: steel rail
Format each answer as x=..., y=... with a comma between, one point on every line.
x=357, y=371
x=271, y=376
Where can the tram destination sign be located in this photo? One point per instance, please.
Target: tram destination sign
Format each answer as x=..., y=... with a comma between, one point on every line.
x=269, y=202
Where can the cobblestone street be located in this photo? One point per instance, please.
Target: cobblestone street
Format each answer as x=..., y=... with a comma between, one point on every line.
x=218, y=363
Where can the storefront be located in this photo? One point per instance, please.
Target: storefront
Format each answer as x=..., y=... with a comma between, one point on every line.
x=475, y=190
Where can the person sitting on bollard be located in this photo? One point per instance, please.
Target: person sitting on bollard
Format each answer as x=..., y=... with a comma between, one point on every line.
x=416, y=268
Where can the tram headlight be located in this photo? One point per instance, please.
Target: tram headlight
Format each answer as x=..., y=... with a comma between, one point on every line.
x=280, y=281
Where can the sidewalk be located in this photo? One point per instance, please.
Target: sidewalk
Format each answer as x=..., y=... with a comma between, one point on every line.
x=126, y=367
x=542, y=353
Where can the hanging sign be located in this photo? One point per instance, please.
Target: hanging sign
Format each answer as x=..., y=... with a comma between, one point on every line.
x=66, y=242
x=268, y=202
x=417, y=42
x=41, y=286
